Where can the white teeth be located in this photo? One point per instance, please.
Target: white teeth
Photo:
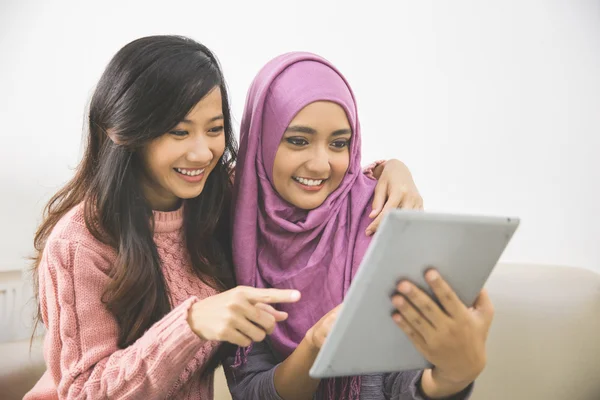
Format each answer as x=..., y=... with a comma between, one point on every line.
x=309, y=182
x=190, y=172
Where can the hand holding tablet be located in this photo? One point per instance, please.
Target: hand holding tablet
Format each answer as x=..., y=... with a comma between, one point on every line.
x=445, y=316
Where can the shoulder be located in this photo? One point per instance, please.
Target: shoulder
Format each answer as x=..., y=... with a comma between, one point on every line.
x=70, y=236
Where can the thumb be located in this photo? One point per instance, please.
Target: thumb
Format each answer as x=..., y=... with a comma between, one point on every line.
x=337, y=309
x=278, y=315
x=484, y=304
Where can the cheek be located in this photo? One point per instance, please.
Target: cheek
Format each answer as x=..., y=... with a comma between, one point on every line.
x=283, y=167
x=218, y=147
x=339, y=165
x=159, y=157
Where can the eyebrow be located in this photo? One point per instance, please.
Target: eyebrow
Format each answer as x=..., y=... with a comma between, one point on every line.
x=311, y=131
x=213, y=119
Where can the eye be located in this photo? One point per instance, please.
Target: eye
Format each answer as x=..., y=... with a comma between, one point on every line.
x=297, y=141
x=341, y=144
x=215, y=131
x=179, y=133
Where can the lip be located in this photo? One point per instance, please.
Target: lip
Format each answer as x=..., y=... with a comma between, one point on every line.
x=311, y=179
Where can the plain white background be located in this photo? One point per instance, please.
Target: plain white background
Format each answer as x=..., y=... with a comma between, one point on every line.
x=494, y=105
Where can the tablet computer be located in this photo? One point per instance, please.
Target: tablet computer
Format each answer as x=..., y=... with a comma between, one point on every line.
x=463, y=248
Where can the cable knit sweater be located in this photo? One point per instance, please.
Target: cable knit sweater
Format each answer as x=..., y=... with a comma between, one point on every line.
x=80, y=346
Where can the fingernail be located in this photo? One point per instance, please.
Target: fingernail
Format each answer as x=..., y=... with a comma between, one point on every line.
x=397, y=318
x=368, y=232
x=433, y=276
x=295, y=295
x=404, y=287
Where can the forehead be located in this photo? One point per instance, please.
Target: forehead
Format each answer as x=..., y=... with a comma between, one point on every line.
x=207, y=107
x=321, y=113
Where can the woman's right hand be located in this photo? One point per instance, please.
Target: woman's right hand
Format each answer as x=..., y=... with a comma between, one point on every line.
x=240, y=316
x=318, y=333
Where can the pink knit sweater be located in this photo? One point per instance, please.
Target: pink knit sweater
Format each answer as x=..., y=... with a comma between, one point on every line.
x=80, y=346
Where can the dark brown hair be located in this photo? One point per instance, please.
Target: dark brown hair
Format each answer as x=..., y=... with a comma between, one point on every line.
x=148, y=87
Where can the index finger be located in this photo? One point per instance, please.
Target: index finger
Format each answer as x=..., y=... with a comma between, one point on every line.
x=255, y=295
x=445, y=294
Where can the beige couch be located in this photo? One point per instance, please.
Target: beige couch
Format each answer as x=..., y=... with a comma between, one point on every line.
x=544, y=343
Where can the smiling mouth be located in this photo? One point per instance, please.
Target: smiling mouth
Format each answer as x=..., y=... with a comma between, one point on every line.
x=312, y=183
x=309, y=182
x=190, y=172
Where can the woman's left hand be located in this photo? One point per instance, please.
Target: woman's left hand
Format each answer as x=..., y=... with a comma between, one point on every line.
x=395, y=189
x=453, y=338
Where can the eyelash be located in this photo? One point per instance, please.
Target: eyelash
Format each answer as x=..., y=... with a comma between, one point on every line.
x=217, y=129
x=301, y=142
x=345, y=143
x=214, y=131
x=179, y=133
x=297, y=141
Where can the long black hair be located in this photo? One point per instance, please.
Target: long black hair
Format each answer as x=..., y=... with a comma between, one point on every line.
x=148, y=87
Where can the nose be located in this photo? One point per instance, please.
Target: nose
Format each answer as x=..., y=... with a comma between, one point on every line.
x=318, y=163
x=200, y=152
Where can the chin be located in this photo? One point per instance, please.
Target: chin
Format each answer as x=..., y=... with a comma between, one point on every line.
x=189, y=194
x=309, y=205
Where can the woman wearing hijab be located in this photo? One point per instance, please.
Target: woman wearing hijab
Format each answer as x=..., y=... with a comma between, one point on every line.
x=301, y=209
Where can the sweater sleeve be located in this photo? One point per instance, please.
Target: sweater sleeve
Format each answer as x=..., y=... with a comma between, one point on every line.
x=406, y=386
x=253, y=379
x=80, y=347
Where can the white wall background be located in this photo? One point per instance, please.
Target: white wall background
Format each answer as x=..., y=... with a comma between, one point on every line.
x=494, y=105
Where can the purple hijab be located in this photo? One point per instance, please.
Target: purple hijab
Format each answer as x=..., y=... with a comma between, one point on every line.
x=274, y=243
